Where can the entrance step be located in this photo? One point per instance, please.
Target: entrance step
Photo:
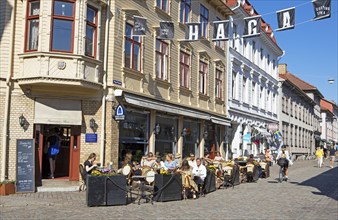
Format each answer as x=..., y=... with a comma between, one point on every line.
x=57, y=185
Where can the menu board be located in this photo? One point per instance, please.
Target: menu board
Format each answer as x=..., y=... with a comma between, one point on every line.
x=25, y=170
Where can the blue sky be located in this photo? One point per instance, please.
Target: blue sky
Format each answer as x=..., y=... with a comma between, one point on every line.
x=311, y=48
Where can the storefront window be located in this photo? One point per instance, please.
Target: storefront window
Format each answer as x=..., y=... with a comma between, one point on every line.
x=134, y=134
x=166, y=141
x=190, y=136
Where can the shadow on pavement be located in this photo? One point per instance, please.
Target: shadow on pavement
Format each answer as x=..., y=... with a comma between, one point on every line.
x=325, y=182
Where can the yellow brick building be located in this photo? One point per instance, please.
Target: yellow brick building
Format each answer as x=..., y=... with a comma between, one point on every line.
x=70, y=63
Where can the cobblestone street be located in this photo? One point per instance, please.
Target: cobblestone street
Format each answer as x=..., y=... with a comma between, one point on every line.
x=310, y=193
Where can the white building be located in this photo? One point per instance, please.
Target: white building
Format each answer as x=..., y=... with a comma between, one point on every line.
x=252, y=85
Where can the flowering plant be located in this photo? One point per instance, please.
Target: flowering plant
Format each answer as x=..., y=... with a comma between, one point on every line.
x=103, y=172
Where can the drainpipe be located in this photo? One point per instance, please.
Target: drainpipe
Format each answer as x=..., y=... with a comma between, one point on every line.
x=7, y=98
x=105, y=59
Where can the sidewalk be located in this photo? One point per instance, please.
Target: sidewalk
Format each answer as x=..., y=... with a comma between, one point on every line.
x=310, y=193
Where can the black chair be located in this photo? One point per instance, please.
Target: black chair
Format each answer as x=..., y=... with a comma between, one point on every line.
x=83, y=186
x=232, y=178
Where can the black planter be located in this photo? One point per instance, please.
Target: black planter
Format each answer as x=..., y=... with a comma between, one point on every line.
x=116, y=190
x=235, y=175
x=210, y=182
x=256, y=173
x=103, y=190
x=167, y=187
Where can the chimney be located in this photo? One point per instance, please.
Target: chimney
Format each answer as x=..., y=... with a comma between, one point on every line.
x=282, y=68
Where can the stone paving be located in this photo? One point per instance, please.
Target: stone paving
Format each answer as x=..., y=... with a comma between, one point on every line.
x=311, y=193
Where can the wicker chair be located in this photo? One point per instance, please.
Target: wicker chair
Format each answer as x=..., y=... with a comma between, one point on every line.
x=83, y=186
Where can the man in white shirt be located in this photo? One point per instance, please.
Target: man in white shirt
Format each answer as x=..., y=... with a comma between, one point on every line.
x=200, y=172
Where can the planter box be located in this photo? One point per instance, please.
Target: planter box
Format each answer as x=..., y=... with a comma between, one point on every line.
x=210, y=182
x=7, y=189
x=168, y=187
x=236, y=173
x=103, y=190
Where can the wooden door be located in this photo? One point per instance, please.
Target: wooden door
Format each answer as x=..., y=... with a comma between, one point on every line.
x=74, y=149
x=38, y=137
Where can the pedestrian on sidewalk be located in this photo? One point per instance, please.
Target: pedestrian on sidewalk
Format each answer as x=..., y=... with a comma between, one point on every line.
x=332, y=156
x=320, y=155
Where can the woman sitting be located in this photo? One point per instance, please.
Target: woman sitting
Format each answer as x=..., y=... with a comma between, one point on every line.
x=88, y=165
x=149, y=160
x=218, y=157
x=188, y=182
x=169, y=163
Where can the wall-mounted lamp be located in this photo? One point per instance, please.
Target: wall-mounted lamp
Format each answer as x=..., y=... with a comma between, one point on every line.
x=184, y=132
x=22, y=120
x=157, y=129
x=92, y=123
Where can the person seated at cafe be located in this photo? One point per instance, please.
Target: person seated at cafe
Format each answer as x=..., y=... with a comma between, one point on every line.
x=149, y=160
x=207, y=160
x=251, y=159
x=199, y=172
x=218, y=157
x=178, y=160
x=187, y=179
x=169, y=164
x=192, y=161
x=89, y=165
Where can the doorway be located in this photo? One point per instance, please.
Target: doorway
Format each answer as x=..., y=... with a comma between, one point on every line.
x=68, y=158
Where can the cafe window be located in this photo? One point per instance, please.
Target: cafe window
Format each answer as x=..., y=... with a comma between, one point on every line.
x=165, y=131
x=190, y=134
x=63, y=25
x=32, y=25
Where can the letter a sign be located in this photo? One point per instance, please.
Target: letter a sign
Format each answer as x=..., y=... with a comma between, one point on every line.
x=286, y=19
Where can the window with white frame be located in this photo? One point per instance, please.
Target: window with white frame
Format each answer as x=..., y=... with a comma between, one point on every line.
x=63, y=18
x=253, y=94
x=162, y=54
x=262, y=98
x=219, y=83
x=91, y=31
x=253, y=52
x=185, y=9
x=274, y=103
x=132, y=50
x=204, y=20
x=203, y=76
x=32, y=25
x=268, y=101
x=163, y=4
x=184, y=69
x=244, y=90
x=234, y=35
x=234, y=85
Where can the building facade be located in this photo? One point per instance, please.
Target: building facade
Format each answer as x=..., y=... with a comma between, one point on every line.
x=252, y=84
x=328, y=123
x=298, y=121
x=69, y=64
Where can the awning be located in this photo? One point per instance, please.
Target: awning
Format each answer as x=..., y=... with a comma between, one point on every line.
x=58, y=111
x=220, y=121
x=263, y=131
x=174, y=109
